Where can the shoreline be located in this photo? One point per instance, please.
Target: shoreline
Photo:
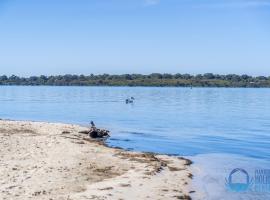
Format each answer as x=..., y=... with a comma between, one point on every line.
x=43, y=160
x=142, y=86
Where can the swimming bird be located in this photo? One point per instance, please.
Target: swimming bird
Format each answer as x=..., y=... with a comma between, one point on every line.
x=129, y=100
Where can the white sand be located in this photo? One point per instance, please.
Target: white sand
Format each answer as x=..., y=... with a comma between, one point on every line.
x=39, y=161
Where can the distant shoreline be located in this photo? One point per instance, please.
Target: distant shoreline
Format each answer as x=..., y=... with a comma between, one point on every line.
x=139, y=80
x=125, y=86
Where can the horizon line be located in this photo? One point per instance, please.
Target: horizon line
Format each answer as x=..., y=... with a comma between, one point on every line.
x=143, y=74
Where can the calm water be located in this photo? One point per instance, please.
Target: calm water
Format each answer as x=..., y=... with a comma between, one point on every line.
x=168, y=120
x=228, y=128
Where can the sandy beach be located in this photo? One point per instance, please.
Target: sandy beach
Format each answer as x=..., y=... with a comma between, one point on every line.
x=54, y=161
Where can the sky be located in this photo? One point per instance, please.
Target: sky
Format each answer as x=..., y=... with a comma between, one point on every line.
x=53, y=37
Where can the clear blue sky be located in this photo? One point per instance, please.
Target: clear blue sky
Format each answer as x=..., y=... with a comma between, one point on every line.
x=134, y=36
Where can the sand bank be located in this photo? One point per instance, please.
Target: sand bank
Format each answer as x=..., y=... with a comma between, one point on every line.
x=53, y=161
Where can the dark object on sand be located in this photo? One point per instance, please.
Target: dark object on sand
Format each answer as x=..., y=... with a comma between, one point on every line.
x=96, y=132
x=84, y=132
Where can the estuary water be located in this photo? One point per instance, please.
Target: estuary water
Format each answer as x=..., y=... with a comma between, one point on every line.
x=234, y=123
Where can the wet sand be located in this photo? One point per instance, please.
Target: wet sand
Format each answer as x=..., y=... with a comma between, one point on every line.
x=55, y=162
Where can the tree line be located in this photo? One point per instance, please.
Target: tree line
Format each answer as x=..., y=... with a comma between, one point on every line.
x=154, y=79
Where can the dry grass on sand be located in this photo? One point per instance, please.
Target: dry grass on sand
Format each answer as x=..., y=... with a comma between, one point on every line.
x=47, y=161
